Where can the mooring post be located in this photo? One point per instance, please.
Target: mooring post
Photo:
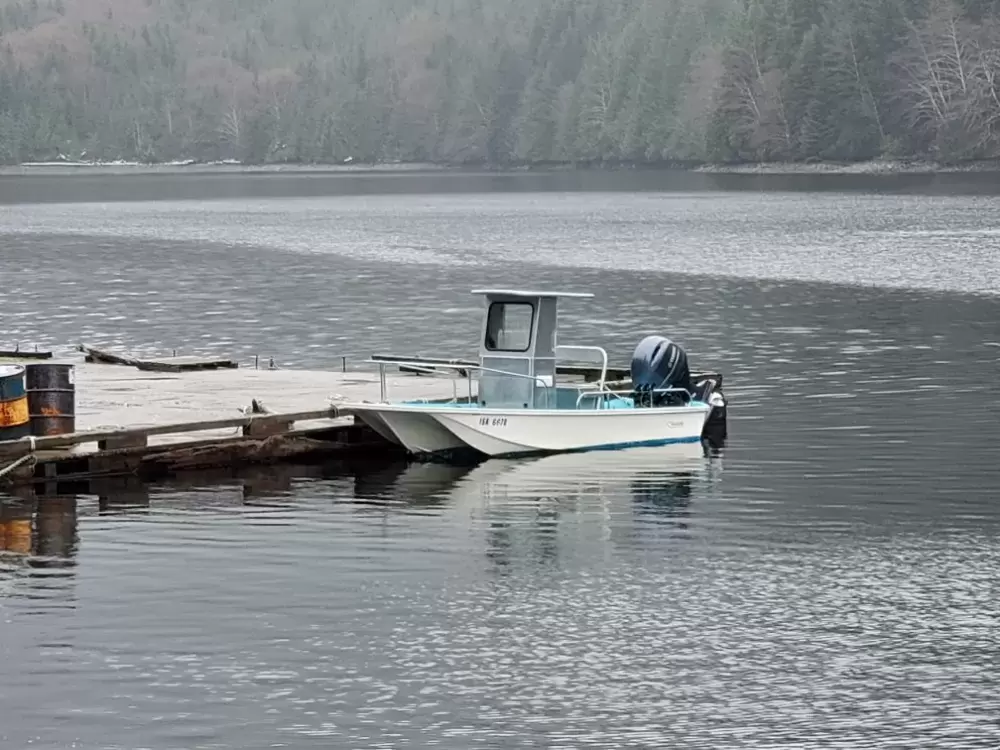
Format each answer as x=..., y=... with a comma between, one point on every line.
x=261, y=428
x=124, y=441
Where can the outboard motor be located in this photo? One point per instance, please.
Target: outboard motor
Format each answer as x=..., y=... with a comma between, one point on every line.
x=659, y=363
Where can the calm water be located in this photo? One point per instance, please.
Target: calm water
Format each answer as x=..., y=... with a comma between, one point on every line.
x=826, y=579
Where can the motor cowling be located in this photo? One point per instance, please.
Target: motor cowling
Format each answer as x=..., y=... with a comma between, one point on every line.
x=659, y=363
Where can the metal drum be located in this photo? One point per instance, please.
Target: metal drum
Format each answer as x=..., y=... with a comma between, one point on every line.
x=51, y=392
x=14, y=420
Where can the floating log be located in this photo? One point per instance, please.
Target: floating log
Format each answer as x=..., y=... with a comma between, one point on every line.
x=165, y=364
x=18, y=354
x=93, y=354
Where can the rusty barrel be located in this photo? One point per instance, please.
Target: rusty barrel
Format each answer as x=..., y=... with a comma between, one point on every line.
x=51, y=389
x=14, y=420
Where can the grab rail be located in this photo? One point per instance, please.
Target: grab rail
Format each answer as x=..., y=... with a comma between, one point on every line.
x=538, y=379
x=595, y=394
x=583, y=348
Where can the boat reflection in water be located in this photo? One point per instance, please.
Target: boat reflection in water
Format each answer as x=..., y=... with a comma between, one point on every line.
x=579, y=498
x=540, y=510
x=415, y=484
x=608, y=473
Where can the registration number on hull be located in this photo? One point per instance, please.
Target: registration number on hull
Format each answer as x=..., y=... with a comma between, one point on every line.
x=493, y=421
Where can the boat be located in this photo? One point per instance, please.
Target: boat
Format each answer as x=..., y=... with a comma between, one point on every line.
x=520, y=407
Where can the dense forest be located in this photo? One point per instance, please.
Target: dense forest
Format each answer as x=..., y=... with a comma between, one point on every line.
x=499, y=81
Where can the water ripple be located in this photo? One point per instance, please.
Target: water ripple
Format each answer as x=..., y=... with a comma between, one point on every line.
x=824, y=579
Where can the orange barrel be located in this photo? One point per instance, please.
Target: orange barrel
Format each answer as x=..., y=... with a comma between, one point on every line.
x=51, y=392
x=14, y=420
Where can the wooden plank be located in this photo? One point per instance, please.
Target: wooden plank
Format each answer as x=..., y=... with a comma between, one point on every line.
x=101, y=356
x=17, y=448
x=159, y=461
x=274, y=449
x=103, y=464
x=260, y=428
x=126, y=440
x=164, y=364
x=185, y=364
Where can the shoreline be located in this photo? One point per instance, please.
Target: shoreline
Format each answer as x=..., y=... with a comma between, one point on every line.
x=873, y=167
x=876, y=167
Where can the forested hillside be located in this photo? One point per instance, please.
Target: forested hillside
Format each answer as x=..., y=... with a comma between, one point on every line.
x=499, y=81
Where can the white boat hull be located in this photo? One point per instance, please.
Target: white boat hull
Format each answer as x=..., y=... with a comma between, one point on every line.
x=511, y=432
x=416, y=431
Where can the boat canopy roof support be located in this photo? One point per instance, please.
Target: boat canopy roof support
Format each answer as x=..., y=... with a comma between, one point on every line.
x=530, y=293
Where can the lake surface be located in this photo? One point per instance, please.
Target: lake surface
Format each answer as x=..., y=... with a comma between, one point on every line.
x=827, y=578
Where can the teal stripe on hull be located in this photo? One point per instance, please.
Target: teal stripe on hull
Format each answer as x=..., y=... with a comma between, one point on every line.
x=608, y=447
x=471, y=455
x=619, y=405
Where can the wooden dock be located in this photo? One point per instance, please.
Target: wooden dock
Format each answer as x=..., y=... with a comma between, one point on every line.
x=156, y=424
x=144, y=422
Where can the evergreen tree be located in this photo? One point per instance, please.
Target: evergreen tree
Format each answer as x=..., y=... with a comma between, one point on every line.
x=499, y=81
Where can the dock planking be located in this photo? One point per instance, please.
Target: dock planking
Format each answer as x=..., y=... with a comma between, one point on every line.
x=153, y=424
x=113, y=397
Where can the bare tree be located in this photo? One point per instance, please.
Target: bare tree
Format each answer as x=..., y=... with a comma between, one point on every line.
x=753, y=103
x=945, y=77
